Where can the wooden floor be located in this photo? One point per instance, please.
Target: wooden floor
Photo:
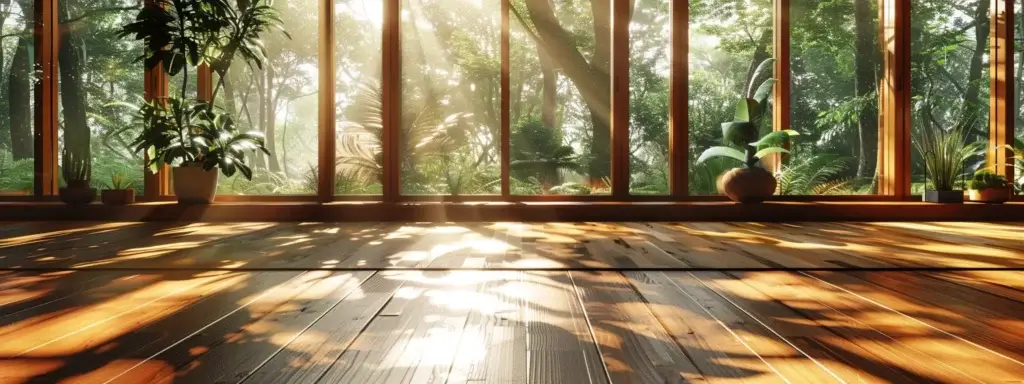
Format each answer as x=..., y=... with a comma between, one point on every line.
x=559, y=303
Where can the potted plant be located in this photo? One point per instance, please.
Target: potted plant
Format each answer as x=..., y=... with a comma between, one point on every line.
x=193, y=136
x=945, y=153
x=120, y=191
x=988, y=187
x=77, y=174
x=750, y=183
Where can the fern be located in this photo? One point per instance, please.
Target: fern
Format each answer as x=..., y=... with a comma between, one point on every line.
x=814, y=175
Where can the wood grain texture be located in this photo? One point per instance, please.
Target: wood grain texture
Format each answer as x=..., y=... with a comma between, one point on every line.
x=634, y=346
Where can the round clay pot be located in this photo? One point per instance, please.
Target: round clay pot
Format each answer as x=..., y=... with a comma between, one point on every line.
x=991, y=195
x=747, y=185
x=194, y=185
x=77, y=195
x=117, y=196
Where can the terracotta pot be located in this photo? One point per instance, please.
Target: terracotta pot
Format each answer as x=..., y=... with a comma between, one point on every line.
x=747, y=185
x=118, y=196
x=195, y=185
x=77, y=195
x=991, y=195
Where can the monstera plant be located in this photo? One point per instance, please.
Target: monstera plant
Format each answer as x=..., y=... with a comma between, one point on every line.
x=750, y=183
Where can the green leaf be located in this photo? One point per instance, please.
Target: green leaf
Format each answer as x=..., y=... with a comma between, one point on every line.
x=764, y=92
x=769, y=151
x=739, y=133
x=777, y=139
x=731, y=153
x=747, y=110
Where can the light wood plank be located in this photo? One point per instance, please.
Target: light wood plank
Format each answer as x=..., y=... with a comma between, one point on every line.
x=634, y=346
x=558, y=332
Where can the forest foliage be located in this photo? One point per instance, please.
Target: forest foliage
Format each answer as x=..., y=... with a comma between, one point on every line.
x=559, y=108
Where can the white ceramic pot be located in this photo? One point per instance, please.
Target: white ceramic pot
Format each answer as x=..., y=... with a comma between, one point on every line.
x=195, y=185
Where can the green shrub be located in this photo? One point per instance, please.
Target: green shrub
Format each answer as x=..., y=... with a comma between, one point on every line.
x=985, y=179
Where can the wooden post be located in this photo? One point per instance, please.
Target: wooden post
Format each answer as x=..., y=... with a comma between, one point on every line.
x=47, y=44
x=390, y=88
x=894, y=99
x=1001, y=102
x=780, y=94
x=679, y=93
x=620, y=97
x=327, y=119
x=506, y=104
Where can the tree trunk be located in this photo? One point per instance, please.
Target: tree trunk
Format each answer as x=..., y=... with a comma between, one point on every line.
x=261, y=112
x=71, y=61
x=865, y=64
x=592, y=80
x=972, y=106
x=19, y=100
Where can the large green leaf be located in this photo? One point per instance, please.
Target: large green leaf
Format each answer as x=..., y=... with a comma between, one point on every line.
x=747, y=110
x=765, y=66
x=731, y=153
x=739, y=133
x=775, y=139
x=764, y=92
x=769, y=151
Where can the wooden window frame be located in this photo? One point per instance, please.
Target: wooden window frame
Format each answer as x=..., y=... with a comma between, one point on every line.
x=894, y=102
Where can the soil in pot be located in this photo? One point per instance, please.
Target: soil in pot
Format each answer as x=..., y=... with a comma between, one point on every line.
x=118, y=196
x=991, y=195
x=195, y=185
x=747, y=185
x=77, y=195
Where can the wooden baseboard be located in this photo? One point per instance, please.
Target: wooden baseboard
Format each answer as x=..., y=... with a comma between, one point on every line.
x=556, y=211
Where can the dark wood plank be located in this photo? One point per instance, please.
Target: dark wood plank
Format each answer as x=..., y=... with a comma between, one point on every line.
x=634, y=346
x=262, y=316
x=24, y=290
x=231, y=292
x=309, y=357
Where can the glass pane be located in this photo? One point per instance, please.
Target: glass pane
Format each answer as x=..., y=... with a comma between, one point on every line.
x=1018, y=97
x=281, y=102
x=650, y=62
x=357, y=94
x=451, y=97
x=833, y=98
x=949, y=79
x=728, y=40
x=97, y=71
x=560, y=97
x=17, y=148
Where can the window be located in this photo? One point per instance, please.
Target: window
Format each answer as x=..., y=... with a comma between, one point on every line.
x=17, y=150
x=1018, y=96
x=450, y=100
x=729, y=39
x=358, y=99
x=281, y=102
x=650, y=61
x=560, y=97
x=949, y=76
x=97, y=71
x=835, y=62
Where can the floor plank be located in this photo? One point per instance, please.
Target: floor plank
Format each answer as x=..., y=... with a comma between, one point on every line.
x=634, y=346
